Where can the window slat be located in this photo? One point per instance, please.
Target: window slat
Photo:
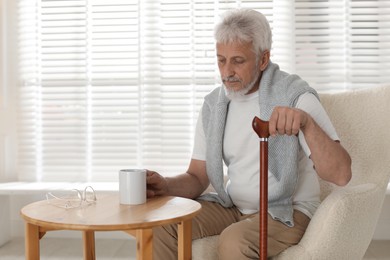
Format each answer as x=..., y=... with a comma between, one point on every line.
x=115, y=84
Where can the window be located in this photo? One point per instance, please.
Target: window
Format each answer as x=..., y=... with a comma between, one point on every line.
x=106, y=85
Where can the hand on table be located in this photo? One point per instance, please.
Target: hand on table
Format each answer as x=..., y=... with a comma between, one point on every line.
x=156, y=184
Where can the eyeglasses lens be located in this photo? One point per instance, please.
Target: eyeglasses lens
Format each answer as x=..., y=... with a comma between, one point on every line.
x=89, y=195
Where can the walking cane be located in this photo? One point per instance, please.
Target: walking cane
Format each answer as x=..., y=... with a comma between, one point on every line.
x=262, y=130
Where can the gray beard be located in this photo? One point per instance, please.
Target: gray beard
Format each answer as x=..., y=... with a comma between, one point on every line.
x=239, y=94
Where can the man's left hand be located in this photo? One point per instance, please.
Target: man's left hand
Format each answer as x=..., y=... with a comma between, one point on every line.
x=287, y=121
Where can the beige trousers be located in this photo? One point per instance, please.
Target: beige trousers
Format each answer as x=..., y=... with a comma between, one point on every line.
x=239, y=234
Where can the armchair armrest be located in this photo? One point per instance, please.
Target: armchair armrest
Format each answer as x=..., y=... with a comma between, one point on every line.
x=343, y=225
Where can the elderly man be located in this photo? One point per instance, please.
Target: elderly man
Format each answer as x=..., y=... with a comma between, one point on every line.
x=303, y=144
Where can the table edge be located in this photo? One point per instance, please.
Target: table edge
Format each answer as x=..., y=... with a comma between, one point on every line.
x=111, y=227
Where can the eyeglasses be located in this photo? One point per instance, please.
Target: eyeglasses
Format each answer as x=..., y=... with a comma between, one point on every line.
x=73, y=198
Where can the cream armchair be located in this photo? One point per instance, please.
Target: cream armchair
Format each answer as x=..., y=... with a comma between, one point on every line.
x=343, y=225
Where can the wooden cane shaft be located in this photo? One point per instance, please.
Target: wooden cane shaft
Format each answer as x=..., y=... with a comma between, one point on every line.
x=262, y=129
x=263, y=199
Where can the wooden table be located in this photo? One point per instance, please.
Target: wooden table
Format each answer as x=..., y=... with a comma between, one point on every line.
x=108, y=215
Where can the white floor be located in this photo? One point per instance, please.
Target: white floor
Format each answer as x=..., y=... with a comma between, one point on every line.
x=70, y=248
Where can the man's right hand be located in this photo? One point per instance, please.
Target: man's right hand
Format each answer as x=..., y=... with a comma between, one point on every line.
x=190, y=184
x=157, y=185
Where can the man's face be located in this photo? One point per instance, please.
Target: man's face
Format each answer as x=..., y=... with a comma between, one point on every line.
x=238, y=68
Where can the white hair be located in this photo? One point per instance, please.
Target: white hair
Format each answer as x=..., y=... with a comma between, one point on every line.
x=245, y=26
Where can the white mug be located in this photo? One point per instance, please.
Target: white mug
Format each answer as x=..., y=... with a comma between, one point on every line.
x=132, y=186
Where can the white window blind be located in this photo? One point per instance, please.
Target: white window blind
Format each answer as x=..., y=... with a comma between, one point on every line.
x=342, y=44
x=106, y=85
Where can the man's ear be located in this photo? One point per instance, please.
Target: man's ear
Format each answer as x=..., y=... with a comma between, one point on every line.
x=264, y=60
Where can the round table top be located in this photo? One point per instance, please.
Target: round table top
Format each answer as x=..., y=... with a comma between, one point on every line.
x=107, y=214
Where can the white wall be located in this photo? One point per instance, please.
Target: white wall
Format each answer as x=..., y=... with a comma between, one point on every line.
x=5, y=230
x=7, y=92
x=7, y=109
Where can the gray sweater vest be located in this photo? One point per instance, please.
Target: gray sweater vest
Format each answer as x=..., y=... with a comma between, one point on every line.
x=277, y=88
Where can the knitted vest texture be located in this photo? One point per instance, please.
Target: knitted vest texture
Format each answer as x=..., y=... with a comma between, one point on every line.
x=277, y=88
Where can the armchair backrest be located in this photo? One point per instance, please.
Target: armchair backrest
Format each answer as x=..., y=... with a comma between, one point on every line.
x=362, y=121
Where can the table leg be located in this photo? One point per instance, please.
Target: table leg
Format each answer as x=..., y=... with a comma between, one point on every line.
x=144, y=244
x=185, y=240
x=89, y=245
x=32, y=241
